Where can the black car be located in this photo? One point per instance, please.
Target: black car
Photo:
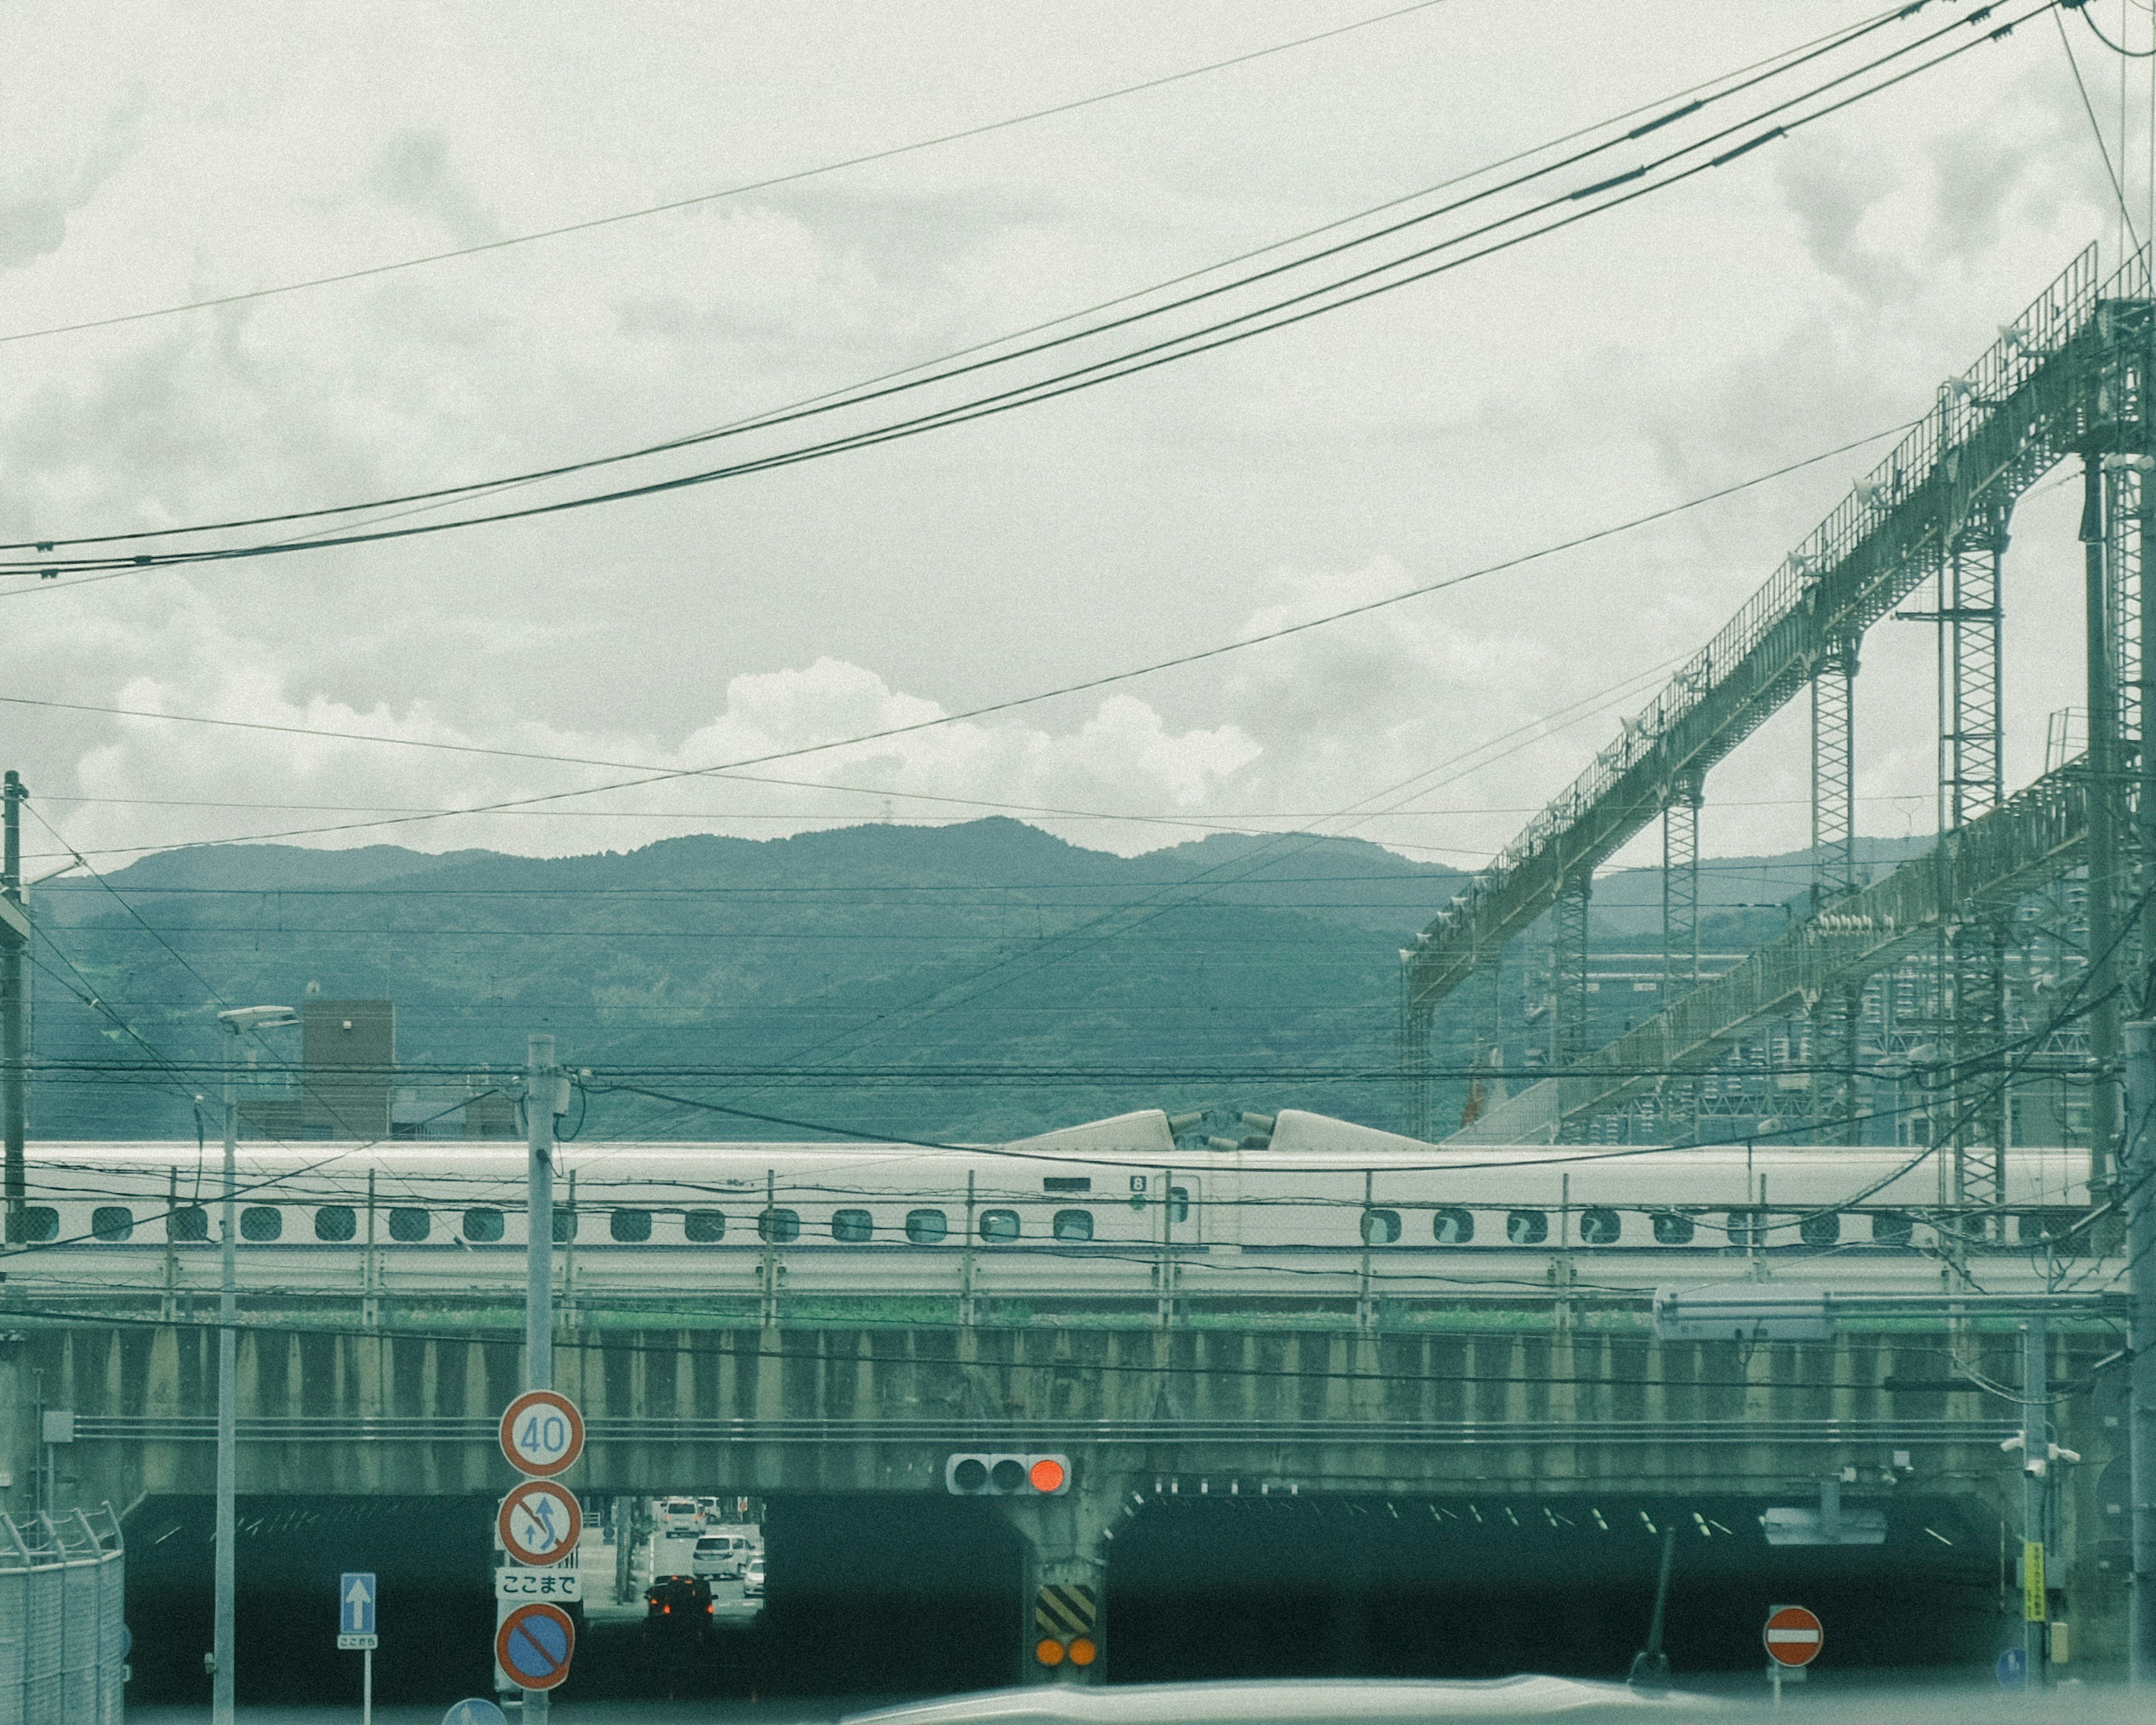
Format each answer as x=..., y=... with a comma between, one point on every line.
x=680, y=1602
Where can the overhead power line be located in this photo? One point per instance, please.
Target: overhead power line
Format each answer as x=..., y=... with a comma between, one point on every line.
x=701, y=198
x=1564, y=207
x=719, y=770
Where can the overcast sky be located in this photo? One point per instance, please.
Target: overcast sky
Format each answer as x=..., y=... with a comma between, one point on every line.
x=1807, y=295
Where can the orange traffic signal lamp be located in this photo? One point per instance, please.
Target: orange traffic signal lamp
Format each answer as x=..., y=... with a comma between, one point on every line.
x=1049, y=1650
x=990, y=1475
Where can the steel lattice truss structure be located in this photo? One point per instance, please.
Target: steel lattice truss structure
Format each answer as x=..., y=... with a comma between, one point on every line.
x=2069, y=378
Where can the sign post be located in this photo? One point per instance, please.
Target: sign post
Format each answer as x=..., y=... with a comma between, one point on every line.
x=356, y=1598
x=1793, y=1637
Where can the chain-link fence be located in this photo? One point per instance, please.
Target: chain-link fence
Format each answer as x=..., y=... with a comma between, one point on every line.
x=62, y=1639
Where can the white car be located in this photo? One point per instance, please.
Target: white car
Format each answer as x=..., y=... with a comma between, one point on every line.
x=752, y=1579
x=720, y=1556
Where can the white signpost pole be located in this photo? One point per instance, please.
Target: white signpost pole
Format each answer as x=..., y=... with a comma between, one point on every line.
x=540, y=1082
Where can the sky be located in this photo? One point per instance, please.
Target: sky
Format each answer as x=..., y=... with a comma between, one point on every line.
x=1808, y=295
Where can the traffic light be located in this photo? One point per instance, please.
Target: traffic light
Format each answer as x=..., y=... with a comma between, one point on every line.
x=1007, y=1475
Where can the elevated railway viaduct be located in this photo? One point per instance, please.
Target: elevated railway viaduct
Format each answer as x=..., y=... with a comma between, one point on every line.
x=1518, y=1446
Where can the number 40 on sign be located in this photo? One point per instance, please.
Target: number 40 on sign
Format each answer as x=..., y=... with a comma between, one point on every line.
x=543, y=1434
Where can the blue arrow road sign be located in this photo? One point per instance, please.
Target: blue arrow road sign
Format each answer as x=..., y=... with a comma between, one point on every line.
x=2013, y=1667
x=356, y=1603
x=475, y=1712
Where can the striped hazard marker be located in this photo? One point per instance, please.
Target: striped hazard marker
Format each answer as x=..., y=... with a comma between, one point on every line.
x=1793, y=1636
x=1066, y=1619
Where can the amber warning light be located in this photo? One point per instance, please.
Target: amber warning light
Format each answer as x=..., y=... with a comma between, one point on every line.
x=992, y=1475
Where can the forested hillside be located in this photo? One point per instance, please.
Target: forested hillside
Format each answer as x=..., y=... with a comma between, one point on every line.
x=978, y=980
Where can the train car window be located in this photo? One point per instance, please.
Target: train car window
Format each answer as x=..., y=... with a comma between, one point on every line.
x=190, y=1222
x=261, y=1223
x=335, y=1223
x=564, y=1225
x=1178, y=1203
x=1892, y=1228
x=629, y=1227
x=408, y=1227
x=1527, y=1227
x=926, y=1227
x=1819, y=1230
x=483, y=1225
x=112, y=1221
x=778, y=1226
x=1452, y=1227
x=1671, y=1228
x=1380, y=1227
x=704, y=1227
x=998, y=1225
x=41, y=1223
x=852, y=1227
x=1067, y=1182
x=1073, y=1224
x=1600, y=1225
x=1747, y=1228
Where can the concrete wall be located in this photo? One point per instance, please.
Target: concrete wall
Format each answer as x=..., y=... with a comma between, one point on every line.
x=1534, y=1410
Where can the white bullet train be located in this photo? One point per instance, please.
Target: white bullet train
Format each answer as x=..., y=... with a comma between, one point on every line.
x=1113, y=1208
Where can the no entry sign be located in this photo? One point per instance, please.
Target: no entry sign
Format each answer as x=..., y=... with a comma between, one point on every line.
x=539, y=1522
x=1793, y=1636
x=534, y=1644
x=543, y=1434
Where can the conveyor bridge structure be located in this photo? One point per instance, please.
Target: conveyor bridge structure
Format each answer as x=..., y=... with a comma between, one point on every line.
x=2068, y=379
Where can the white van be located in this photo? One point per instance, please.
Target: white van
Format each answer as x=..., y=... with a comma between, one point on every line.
x=720, y=1557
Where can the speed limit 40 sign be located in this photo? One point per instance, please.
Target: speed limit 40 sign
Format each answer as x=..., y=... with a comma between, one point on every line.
x=543, y=1434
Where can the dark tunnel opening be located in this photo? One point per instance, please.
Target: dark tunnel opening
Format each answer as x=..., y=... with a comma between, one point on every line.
x=431, y=1555
x=889, y=1596
x=1490, y=1586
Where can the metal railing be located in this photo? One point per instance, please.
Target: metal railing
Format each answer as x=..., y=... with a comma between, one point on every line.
x=62, y=1635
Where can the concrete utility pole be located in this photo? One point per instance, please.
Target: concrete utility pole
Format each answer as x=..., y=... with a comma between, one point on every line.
x=541, y=1081
x=2036, y=1476
x=2138, y=1182
x=14, y=937
x=222, y=1657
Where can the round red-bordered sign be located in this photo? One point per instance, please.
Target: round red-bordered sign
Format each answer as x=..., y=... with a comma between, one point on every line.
x=543, y=1434
x=533, y=1646
x=539, y=1522
x=1793, y=1636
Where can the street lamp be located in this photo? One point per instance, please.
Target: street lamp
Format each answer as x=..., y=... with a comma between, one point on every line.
x=239, y=1019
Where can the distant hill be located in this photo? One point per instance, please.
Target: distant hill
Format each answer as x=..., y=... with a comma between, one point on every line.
x=846, y=956
x=979, y=980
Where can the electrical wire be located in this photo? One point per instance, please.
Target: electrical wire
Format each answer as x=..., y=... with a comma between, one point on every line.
x=872, y=390
x=1330, y=296
x=701, y=199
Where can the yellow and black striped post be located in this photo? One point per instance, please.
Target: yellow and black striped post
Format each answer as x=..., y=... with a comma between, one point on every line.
x=1066, y=1624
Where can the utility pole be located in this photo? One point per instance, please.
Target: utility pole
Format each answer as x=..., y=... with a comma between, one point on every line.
x=2102, y=849
x=2138, y=1182
x=2036, y=1482
x=541, y=1081
x=14, y=937
x=238, y=1021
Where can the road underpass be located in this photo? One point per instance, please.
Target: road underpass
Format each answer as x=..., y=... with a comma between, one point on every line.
x=878, y=1596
